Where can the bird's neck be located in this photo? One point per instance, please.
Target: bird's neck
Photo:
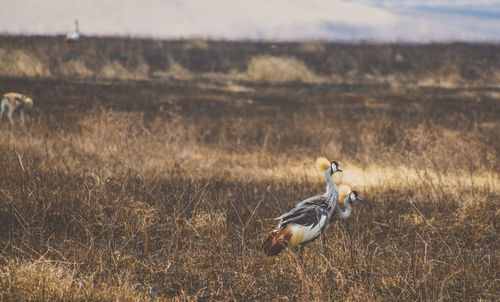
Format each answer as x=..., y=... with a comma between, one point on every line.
x=345, y=214
x=332, y=192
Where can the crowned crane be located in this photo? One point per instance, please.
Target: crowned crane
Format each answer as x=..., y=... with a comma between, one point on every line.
x=13, y=101
x=308, y=219
x=348, y=196
x=73, y=36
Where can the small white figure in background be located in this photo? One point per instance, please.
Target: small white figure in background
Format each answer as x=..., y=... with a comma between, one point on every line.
x=15, y=101
x=73, y=36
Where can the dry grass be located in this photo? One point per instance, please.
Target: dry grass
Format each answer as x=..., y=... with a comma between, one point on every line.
x=115, y=70
x=279, y=69
x=20, y=63
x=196, y=43
x=176, y=71
x=108, y=204
x=74, y=68
x=402, y=66
x=59, y=281
x=311, y=47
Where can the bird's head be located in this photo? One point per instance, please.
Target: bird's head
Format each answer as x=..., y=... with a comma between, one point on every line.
x=322, y=163
x=354, y=196
x=335, y=167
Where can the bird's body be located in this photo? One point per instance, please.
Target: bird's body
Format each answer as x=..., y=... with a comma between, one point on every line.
x=73, y=36
x=13, y=101
x=303, y=233
x=306, y=221
x=304, y=230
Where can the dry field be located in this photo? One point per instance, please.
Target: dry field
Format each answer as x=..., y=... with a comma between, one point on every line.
x=164, y=190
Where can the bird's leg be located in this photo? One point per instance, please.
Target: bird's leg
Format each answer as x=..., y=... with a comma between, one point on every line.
x=22, y=117
x=301, y=253
x=323, y=242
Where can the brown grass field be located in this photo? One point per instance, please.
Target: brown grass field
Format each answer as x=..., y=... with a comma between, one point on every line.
x=162, y=184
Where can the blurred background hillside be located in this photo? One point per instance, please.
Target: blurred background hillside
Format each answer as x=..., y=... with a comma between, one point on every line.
x=447, y=65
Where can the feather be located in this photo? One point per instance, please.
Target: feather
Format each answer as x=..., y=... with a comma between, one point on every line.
x=322, y=163
x=277, y=241
x=296, y=238
x=344, y=191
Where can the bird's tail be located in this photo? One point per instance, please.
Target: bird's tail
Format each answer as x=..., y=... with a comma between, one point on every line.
x=277, y=240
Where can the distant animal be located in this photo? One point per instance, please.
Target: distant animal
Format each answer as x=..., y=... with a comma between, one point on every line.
x=73, y=36
x=13, y=101
x=308, y=219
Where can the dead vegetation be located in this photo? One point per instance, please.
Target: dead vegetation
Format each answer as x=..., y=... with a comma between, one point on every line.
x=20, y=63
x=450, y=65
x=103, y=198
x=279, y=69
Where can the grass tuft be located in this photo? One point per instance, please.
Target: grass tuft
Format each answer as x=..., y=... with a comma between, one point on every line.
x=279, y=69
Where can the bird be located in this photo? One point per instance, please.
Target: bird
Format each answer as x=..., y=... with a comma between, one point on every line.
x=348, y=196
x=322, y=163
x=73, y=36
x=308, y=219
x=13, y=101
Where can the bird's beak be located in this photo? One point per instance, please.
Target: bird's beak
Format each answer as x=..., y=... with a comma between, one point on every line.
x=339, y=170
x=357, y=198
